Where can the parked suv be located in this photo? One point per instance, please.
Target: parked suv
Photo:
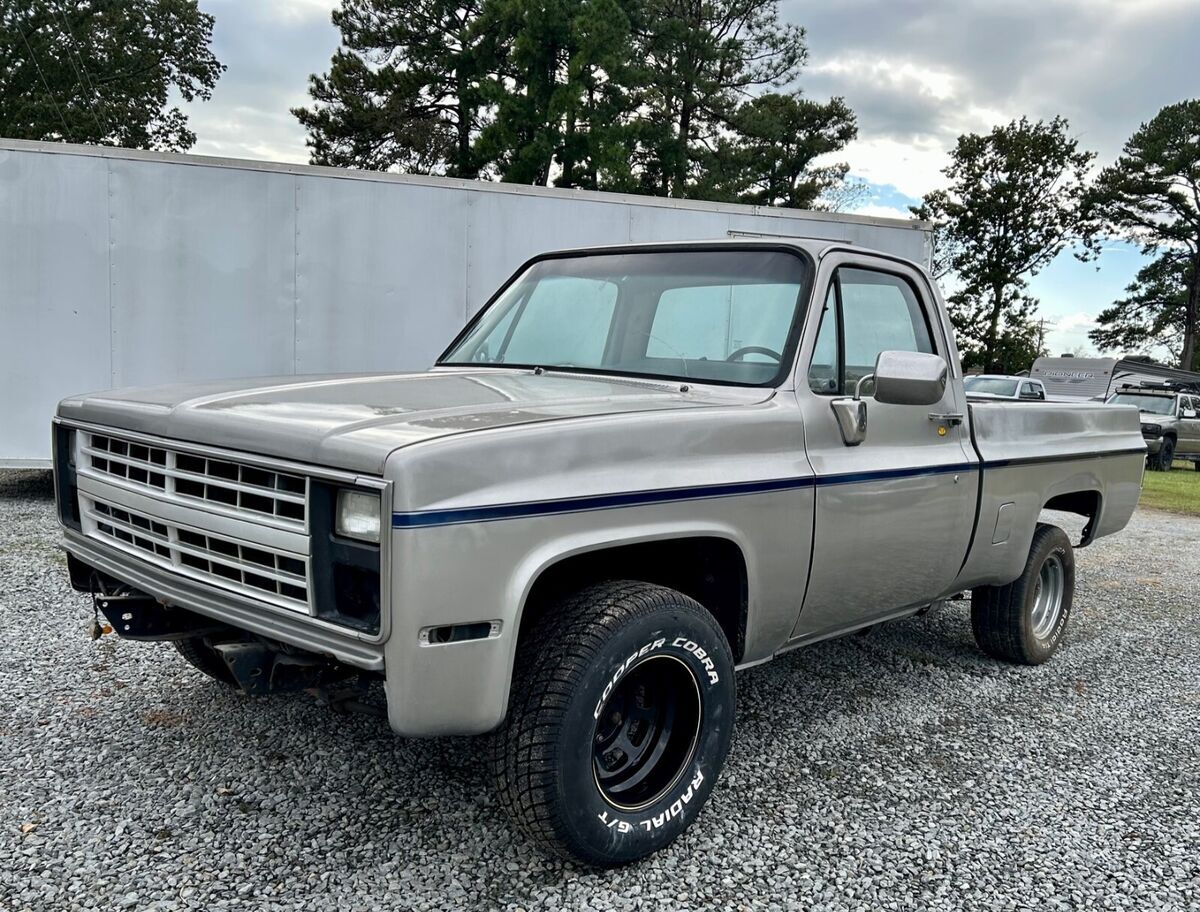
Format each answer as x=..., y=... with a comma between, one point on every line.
x=1170, y=423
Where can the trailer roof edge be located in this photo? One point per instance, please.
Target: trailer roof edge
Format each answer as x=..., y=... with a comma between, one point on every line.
x=450, y=183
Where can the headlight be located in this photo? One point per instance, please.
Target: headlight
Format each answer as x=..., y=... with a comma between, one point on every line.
x=358, y=515
x=1152, y=429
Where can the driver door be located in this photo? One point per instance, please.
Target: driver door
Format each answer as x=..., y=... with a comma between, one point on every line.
x=1189, y=425
x=893, y=514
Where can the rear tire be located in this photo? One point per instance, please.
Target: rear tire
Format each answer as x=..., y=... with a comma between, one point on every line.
x=1024, y=621
x=201, y=656
x=619, y=720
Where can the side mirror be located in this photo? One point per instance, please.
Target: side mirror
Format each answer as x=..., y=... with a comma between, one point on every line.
x=910, y=378
x=900, y=378
x=1189, y=413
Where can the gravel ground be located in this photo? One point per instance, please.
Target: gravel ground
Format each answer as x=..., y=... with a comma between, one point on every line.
x=899, y=770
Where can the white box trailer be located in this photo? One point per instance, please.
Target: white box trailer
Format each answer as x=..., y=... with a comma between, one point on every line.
x=122, y=268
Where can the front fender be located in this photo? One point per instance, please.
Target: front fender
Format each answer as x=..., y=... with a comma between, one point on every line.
x=460, y=574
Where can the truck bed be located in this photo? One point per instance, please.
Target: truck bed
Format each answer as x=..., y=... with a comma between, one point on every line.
x=1084, y=458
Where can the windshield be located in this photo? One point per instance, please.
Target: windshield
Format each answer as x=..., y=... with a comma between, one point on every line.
x=721, y=316
x=1155, y=405
x=997, y=386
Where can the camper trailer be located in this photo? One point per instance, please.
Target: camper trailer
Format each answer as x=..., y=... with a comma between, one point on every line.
x=1099, y=378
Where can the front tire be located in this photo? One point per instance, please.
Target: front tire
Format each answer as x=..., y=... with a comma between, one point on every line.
x=1161, y=461
x=619, y=721
x=1024, y=621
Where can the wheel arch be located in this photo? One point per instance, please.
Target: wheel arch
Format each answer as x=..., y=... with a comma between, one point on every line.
x=707, y=563
x=1086, y=502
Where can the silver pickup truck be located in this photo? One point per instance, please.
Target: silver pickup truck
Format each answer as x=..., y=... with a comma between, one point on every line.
x=637, y=470
x=1170, y=423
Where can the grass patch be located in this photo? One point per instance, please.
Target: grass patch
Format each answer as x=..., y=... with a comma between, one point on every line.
x=1177, y=491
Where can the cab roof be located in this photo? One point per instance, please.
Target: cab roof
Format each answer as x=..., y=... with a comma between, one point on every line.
x=815, y=247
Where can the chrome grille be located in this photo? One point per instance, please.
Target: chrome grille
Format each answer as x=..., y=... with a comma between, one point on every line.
x=226, y=485
x=263, y=573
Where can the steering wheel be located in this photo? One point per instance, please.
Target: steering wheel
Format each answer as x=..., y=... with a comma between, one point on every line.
x=754, y=350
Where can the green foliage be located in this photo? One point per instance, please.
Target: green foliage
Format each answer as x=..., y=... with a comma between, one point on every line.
x=699, y=65
x=1021, y=343
x=767, y=159
x=406, y=89
x=668, y=97
x=1011, y=207
x=560, y=92
x=1155, y=311
x=1151, y=195
x=100, y=71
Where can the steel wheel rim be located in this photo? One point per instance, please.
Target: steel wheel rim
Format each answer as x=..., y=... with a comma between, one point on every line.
x=646, y=733
x=1048, y=596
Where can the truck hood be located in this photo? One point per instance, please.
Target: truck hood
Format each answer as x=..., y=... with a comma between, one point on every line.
x=1153, y=418
x=353, y=422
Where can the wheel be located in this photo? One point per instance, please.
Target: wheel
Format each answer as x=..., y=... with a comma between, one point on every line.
x=1161, y=461
x=619, y=721
x=202, y=656
x=1024, y=621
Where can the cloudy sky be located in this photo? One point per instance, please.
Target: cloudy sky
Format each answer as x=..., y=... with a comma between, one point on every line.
x=917, y=72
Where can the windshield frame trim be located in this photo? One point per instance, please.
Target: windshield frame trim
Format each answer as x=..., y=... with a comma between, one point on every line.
x=803, y=303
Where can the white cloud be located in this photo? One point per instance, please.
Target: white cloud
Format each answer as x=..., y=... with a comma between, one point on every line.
x=938, y=83
x=270, y=48
x=301, y=10
x=245, y=132
x=1075, y=322
x=879, y=211
x=913, y=168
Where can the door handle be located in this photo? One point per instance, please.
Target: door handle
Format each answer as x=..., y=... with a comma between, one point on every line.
x=953, y=419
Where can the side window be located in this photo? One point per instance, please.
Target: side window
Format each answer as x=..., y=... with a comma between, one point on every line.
x=568, y=316
x=823, y=369
x=876, y=312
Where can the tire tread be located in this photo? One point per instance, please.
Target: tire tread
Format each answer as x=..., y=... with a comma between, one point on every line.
x=997, y=612
x=524, y=751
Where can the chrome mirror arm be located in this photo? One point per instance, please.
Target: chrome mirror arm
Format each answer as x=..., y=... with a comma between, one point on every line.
x=859, y=385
